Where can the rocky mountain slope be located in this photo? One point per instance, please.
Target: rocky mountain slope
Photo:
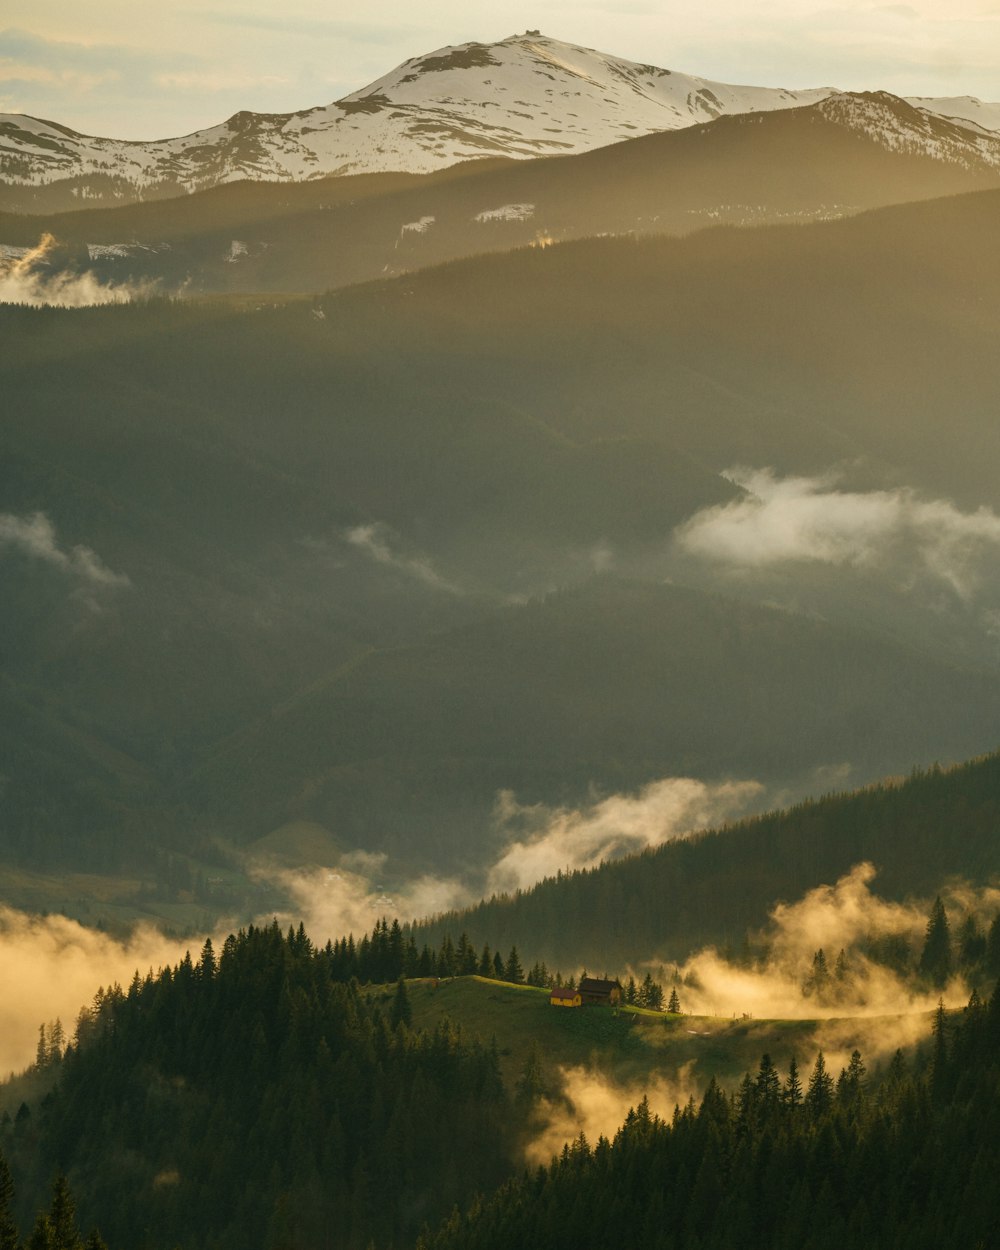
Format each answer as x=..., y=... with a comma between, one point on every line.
x=524, y=96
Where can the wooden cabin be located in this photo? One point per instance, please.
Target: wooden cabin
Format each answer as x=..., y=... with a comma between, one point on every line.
x=595, y=990
x=563, y=996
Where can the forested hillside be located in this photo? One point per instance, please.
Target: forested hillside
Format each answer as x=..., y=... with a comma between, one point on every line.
x=252, y=1099
x=714, y=887
x=243, y=535
x=256, y=1098
x=797, y=1159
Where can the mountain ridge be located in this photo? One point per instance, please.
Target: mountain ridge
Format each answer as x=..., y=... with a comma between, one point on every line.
x=430, y=112
x=840, y=156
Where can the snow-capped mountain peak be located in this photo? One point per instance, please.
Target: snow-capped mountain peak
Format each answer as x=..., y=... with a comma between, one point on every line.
x=524, y=96
x=529, y=95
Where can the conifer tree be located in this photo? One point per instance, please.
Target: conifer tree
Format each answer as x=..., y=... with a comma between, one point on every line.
x=768, y=1085
x=538, y=976
x=674, y=1006
x=530, y=1083
x=470, y=960
x=62, y=1217
x=396, y=949
x=939, y=1069
x=935, y=959
x=792, y=1092
x=446, y=958
x=42, y=1049
x=851, y=1084
x=8, y=1229
x=42, y=1236
x=897, y=1069
x=817, y=982
x=971, y=943
x=993, y=948
x=411, y=958
x=512, y=969
x=57, y=1040
x=401, y=1012
x=819, y=1097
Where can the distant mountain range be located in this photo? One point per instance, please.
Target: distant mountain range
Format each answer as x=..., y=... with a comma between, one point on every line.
x=834, y=158
x=522, y=97
x=269, y=560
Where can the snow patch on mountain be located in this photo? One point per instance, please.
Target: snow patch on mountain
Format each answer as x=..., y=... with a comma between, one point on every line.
x=524, y=96
x=965, y=110
x=507, y=212
x=899, y=126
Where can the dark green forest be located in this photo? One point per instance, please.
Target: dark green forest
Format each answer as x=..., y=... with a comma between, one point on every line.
x=796, y=1160
x=254, y=1099
x=251, y=1099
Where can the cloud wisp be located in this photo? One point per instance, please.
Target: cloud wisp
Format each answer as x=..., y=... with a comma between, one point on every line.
x=543, y=840
x=35, y=279
x=51, y=966
x=781, y=521
x=834, y=917
x=60, y=964
x=332, y=902
x=595, y=1104
x=34, y=536
x=539, y=841
x=378, y=542
x=877, y=1011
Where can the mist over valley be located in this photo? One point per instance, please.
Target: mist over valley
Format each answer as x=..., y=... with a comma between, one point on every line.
x=500, y=667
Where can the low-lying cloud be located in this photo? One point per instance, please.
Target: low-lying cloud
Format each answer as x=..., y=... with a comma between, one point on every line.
x=379, y=542
x=876, y=1011
x=832, y=918
x=809, y=519
x=34, y=536
x=592, y=1103
x=544, y=840
x=538, y=842
x=36, y=279
x=332, y=902
x=51, y=966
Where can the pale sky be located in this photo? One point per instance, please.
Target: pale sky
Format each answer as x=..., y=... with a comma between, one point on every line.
x=137, y=69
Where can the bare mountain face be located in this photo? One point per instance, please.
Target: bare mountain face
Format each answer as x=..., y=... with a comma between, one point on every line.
x=525, y=96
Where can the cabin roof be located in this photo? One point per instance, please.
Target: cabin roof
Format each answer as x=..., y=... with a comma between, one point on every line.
x=595, y=985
